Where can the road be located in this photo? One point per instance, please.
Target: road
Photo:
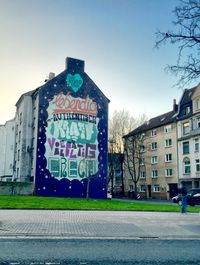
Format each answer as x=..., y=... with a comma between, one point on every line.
x=98, y=252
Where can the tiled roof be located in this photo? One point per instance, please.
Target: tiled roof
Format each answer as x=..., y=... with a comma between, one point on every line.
x=168, y=117
x=153, y=123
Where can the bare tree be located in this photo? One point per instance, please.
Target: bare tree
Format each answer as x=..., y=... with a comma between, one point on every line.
x=120, y=124
x=133, y=157
x=186, y=35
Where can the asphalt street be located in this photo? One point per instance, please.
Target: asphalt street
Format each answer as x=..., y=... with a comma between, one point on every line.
x=94, y=251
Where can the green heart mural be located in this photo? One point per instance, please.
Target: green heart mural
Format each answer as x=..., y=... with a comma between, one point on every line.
x=74, y=81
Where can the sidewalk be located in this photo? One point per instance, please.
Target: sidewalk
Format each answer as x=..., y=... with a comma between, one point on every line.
x=98, y=224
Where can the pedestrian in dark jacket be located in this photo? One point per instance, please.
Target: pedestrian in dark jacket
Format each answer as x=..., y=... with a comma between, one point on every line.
x=183, y=192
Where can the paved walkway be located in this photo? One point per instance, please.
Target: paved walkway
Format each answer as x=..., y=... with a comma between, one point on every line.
x=101, y=224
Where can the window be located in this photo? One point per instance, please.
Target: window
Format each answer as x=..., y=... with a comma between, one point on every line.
x=198, y=122
x=130, y=188
x=142, y=161
x=168, y=128
x=19, y=136
x=198, y=165
x=142, y=148
x=168, y=172
x=196, y=145
x=186, y=164
x=153, y=133
x=156, y=188
x=168, y=157
x=154, y=173
x=142, y=174
x=198, y=104
x=20, y=118
x=186, y=147
x=142, y=188
x=154, y=146
x=186, y=128
x=18, y=155
x=168, y=142
x=186, y=110
x=154, y=160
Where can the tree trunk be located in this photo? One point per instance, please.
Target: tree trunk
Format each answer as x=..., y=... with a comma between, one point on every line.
x=122, y=177
x=135, y=188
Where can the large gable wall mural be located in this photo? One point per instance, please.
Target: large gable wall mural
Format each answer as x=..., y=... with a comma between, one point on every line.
x=72, y=136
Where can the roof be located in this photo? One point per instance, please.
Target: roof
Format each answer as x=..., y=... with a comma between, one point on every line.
x=185, y=101
x=29, y=93
x=168, y=117
x=187, y=94
x=153, y=123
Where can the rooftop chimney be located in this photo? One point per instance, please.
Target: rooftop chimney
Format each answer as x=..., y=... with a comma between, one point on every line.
x=51, y=76
x=75, y=65
x=175, y=106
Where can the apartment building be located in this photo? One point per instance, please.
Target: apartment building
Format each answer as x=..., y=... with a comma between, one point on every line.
x=171, y=149
x=24, y=140
x=188, y=128
x=158, y=167
x=7, y=132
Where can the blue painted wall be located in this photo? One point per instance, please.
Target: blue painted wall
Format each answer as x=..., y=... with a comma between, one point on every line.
x=72, y=136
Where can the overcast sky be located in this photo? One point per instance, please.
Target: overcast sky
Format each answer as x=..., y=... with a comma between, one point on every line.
x=114, y=37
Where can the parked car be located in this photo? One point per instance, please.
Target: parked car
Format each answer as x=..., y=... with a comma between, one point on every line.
x=193, y=198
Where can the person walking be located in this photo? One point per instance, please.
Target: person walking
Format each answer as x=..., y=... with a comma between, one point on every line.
x=184, y=199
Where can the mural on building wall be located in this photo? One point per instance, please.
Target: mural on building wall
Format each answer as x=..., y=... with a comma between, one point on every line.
x=72, y=137
x=72, y=146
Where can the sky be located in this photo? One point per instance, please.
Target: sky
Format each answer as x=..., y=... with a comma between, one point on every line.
x=115, y=38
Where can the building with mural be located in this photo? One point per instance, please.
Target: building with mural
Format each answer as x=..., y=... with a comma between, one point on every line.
x=61, y=132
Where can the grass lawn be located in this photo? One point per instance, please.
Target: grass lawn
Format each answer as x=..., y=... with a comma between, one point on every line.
x=35, y=202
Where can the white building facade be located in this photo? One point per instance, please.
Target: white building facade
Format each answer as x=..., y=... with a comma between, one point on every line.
x=7, y=134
